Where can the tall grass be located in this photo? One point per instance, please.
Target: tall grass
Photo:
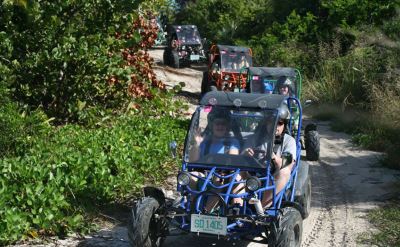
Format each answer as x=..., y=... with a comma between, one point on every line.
x=365, y=84
x=387, y=220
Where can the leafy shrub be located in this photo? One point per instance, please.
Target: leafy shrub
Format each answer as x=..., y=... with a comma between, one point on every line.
x=17, y=129
x=64, y=56
x=46, y=190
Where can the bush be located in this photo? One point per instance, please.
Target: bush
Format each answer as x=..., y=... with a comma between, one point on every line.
x=18, y=129
x=46, y=190
x=66, y=55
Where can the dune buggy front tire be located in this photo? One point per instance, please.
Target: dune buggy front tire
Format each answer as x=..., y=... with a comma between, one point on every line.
x=312, y=145
x=290, y=230
x=144, y=229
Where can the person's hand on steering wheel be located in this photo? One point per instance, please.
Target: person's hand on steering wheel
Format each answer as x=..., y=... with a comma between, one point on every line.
x=248, y=152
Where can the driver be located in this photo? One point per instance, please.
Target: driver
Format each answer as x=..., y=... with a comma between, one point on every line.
x=283, y=143
x=191, y=35
x=285, y=86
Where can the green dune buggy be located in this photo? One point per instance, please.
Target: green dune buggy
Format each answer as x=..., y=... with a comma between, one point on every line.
x=287, y=81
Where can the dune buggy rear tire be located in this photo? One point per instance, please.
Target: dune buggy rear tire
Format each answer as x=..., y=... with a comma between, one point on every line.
x=166, y=57
x=312, y=145
x=213, y=87
x=174, y=59
x=305, y=199
x=144, y=230
x=290, y=230
x=204, y=83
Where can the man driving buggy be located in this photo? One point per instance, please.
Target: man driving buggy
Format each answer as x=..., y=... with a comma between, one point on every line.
x=283, y=143
x=285, y=86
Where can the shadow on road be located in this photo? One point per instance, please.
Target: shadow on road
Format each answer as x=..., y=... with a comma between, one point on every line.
x=192, y=98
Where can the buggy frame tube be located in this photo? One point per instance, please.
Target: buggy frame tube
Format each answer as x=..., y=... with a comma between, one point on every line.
x=300, y=83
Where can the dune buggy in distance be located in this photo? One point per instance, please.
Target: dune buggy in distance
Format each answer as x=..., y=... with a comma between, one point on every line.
x=226, y=68
x=217, y=175
x=184, y=46
x=271, y=80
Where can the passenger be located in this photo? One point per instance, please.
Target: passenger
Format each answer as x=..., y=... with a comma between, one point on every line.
x=243, y=62
x=265, y=87
x=218, y=141
x=283, y=143
x=268, y=87
x=240, y=63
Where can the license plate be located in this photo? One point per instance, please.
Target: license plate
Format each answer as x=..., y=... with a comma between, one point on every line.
x=194, y=57
x=208, y=224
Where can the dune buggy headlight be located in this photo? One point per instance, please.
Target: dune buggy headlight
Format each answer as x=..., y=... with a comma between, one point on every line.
x=253, y=183
x=183, y=178
x=226, y=77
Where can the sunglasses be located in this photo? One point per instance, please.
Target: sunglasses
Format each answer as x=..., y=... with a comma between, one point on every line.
x=281, y=123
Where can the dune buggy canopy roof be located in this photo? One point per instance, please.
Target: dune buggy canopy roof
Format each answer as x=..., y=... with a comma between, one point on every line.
x=273, y=71
x=236, y=49
x=233, y=99
x=187, y=34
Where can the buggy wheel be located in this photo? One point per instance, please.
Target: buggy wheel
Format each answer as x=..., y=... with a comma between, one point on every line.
x=213, y=87
x=290, y=230
x=312, y=145
x=144, y=230
x=305, y=199
x=204, y=83
x=166, y=56
x=174, y=58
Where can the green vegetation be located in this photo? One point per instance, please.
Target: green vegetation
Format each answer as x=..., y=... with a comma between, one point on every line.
x=73, y=168
x=83, y=120
x=348, y=52
x=387, y=221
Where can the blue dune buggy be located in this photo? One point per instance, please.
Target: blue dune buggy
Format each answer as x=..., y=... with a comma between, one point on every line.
x=211, y=179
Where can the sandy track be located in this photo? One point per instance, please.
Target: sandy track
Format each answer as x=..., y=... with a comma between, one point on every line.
x=346, y=183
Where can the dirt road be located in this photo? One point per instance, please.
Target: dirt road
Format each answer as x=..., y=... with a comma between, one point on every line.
x=346, y=183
